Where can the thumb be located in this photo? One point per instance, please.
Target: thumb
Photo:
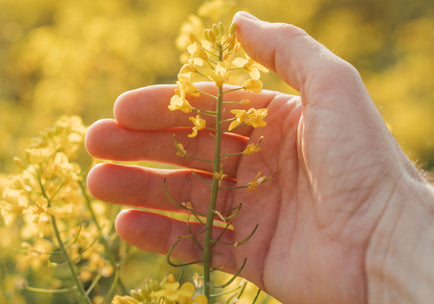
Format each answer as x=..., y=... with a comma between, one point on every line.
x=297, y=58
x=337, y=106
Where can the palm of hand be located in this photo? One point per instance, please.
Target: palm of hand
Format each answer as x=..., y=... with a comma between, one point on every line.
x=305, y=213
x=315, y=215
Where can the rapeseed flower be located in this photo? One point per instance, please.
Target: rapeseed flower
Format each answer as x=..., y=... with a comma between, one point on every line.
x=252, y=85
x=180, y=103
x=199, y=124
x=252, y=117
x=255, y=182
x=251, y=148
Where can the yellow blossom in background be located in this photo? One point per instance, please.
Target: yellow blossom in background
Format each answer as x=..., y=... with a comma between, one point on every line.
x=214, y=9
x=172, y=293
x=58, y=224
x=124, y=300
x=193, y=24
x=125, y=45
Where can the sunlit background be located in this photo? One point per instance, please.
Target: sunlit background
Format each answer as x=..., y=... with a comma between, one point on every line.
x=69, y=57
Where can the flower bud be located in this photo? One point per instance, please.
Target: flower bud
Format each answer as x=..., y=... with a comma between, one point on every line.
x=232, y=28
x=221, y=27
x=209, y=34
x=215, y=29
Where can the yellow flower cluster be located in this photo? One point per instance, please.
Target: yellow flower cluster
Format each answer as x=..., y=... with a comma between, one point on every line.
x=49, y=197
x=169, y=291
x=49, y=181
x=217, y=56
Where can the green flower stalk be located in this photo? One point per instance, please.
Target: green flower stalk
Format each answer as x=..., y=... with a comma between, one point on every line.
x=216, y=56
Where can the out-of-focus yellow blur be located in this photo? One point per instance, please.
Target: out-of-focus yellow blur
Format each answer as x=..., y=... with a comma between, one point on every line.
x=76, y=57
x=63, y=57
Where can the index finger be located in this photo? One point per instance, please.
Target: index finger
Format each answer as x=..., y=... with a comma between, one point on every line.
x=147, y=108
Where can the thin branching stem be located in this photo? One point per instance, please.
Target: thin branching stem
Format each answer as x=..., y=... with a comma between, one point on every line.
x=201, y=178
x=232, y=90
x=113, y=286
x=116, y=279
x=75, y=276
x=233, y=154
x=237, y=244
x=173, y=201
x=169, y=253
x=234, y=276
x=257, y=296
x=50, y=291
x=210, y=95
x=193, y=236
x=221, y=234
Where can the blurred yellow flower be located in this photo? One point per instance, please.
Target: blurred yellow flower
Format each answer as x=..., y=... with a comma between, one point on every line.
x=171, y=292
x=124, y=300
x=213, y=8
x=192, y=25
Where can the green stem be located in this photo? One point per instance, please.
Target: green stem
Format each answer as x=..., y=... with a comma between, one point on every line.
x=71, y=265
x=116, y=279
x=207, y=247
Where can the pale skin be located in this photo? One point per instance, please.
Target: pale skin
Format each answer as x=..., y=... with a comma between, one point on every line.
x=346, y=219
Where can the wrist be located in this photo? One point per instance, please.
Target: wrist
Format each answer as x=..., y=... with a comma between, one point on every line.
x=400, y=255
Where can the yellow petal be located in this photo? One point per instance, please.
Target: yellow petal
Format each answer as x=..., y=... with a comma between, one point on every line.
x=200, y=299
x=186, y=290
x=252, y=85
x=251, y=148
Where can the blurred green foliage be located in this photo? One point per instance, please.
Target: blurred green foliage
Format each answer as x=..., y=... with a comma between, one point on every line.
x=75, y=57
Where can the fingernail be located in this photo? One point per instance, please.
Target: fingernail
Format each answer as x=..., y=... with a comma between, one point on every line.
x=245, y=15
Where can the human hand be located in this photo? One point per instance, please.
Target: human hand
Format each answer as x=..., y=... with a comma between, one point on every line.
x=338, y=169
